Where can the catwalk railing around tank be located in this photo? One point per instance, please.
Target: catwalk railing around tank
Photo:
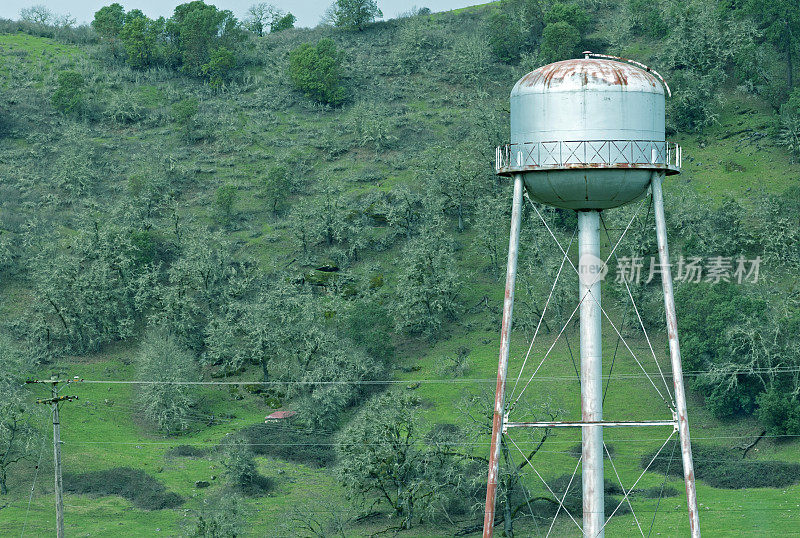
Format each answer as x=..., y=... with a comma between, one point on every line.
x=560, y=154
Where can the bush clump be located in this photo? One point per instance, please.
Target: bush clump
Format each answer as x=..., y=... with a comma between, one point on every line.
x=144, y=491
x=70, y=93
x=162, y=363
x=724, y=468
x=656, y=492
x=241, y=473
x=186, y=451
x=287, y=442
x=573, y=501
x=315, y=70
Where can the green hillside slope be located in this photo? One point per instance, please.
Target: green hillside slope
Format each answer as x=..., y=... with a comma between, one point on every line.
x=292, y=255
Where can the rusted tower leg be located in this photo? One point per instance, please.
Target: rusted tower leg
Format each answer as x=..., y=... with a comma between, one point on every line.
x=675, y=355
x=591, y=372
x=502, y=367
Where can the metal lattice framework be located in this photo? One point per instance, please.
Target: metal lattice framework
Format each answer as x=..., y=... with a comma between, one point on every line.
x=663, y=392
x=522, y=383
x=559, y=154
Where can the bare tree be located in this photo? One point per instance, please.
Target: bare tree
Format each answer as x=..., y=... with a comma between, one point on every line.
x=513, y=496
x=37, y=14
x=40, y=14
x=18, y=432
x=260, y=17
x=324, y=520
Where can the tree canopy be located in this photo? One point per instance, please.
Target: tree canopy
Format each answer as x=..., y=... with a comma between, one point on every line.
x=316, y=70
x=354, y=14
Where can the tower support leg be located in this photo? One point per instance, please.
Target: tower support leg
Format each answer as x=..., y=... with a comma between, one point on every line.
x=502, y=367
x=675, y=355
x=589, y=265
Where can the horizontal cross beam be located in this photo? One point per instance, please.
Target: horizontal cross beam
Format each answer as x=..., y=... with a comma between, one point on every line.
x=580, y=423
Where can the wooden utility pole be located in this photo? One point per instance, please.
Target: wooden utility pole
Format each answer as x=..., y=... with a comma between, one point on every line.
x=54, y=400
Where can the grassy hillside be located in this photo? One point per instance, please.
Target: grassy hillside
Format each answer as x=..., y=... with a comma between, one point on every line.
x=410, y=148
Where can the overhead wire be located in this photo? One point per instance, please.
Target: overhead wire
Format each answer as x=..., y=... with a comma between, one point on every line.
x=543, y=480
x=630, y=490
x=661, y=492
x=636, y=310
x=33, y=487
x=541, y=320
x=596, y=300
x=621, y=485
x=525, y=492
x=457, y=381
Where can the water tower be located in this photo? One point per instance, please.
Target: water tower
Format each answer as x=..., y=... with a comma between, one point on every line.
x=588, y=135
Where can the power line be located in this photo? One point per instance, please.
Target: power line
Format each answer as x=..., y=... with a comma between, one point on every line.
x=33, y=487
x=454, y=443
x=644, y=375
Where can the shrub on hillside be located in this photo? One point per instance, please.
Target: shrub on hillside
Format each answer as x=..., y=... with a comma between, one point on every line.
x=199, y=38
x=141, y=38
x=570, y=13
x=240, y=468
x=86, y=287
x=789, y=134
x=284, y=23
x=161, y=363
x=381, y=461
x=560, y=41
x=724, y=467
x=184, y=113
x=428, y=285
x=779, y=412
x=417, y=41
x=514, y=27
x=505, y=38
x=276, y=188
x=135, y=485
x=644, y=18
x=217, y=70
x=707, y=311
x=354, y=14
x=198, y=29
x=18, y=417
x=693, y=106
x=186, y=451
x=290, y=442
x=108, y=21
x=123, y=107
x=70, y=93
x=368, y=324
x=224, y=201
x=220, y=517
x=315, y=70
x=469, y=58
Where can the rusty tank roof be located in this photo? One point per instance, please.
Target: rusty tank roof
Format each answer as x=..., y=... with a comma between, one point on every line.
x=587, y=74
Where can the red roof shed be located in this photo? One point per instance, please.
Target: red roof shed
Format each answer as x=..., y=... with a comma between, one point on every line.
x=279, y=415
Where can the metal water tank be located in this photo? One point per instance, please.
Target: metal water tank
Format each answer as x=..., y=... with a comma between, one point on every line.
x=587, y=133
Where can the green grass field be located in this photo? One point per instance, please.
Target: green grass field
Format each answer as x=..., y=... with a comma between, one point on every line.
x=100, y=431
